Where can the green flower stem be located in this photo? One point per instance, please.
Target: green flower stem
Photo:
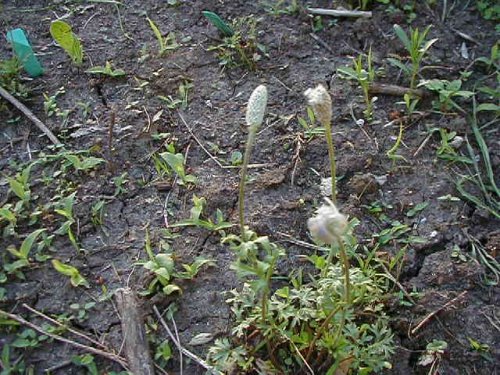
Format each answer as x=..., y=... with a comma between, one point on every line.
x=347, y=280
x=331, y=155
x=244, y=168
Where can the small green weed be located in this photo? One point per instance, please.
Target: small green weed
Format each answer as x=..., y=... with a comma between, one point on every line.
x=67, y=270
x=432, y=355
x=63, y=35
x=106, y=70
x=365, y=78
x=447, y=90
x=240, y=46
x=168, y=161
x=417, y=47
x=165, y=44
x=162, y=266
x=10, y=70
x=22, y=255
x=195, y=220
x=309, y=125
x=120, y=182
x=280, y=7
x=182, y=100
x=65, y=209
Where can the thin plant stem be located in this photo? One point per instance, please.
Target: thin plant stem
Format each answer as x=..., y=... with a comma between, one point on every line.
x=244, y=168
x=347, y=280
x=331, y=155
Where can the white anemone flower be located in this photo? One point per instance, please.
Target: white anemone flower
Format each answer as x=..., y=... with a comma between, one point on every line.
x=329, y=225
x=256, y=107
x=321, y=102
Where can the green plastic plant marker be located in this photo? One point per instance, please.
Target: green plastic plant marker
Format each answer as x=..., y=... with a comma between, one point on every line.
x=24, y=52
x=215, y=20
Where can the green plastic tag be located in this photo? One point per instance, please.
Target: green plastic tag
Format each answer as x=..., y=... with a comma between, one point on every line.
x=24, y=52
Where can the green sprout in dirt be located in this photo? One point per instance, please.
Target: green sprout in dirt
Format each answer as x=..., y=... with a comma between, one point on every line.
x=165, y=44
x=365, y=78
x=65, y=209
x=72, y=272
x=417, y=47
x=106, y=70
x=10, y=78
x=63, y=35
x=239, y=45
x=478, y=186
x=447, y=90
x=319, y=99
x=256, y=109
x=195, y=218
x=392, y=152
x=162, y=266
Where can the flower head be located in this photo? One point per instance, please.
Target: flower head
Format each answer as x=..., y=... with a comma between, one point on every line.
x=321, y=102
x=257, y=106
x=328, y=225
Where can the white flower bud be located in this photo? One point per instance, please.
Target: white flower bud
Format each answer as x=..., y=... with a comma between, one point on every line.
x=329, y=225
x=257, y=106
x=321, y=102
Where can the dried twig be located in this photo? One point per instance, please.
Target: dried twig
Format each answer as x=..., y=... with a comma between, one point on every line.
x=194, y=357
x=198, y=141
x=39, y=124
x=73, y=331
x=134, y=333
x=435, y=312
x=384, y=89
x=113, y=357
x=321, y=42
x=340, y=12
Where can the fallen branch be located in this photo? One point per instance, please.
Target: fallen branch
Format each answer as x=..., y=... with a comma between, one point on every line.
x=340, y=12
x=73, y=331
x=39, y=124
x=432, y=314
x=113, y=357
x=380, y=88
x=186, y=352
x=134, y=333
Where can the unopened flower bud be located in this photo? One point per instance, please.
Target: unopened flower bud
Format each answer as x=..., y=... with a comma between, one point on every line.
x=329, y=225
x=321, y=102
x=256, y=106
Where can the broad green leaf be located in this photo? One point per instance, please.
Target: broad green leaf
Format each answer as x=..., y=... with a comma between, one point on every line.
x=158, y=35
x=418, y=208
x=17, y=188
x=171, y=288
x=428, y=45
x=488, y=107
x=398, y=64
x=64, y=36
x=75, y=278
x=28, y=243
x=401, y=34
x=7, y=215
x=222, y=26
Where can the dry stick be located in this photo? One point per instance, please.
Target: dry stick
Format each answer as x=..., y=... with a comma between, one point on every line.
x=194, y=357
x=113, y=357
x=339, y=12
x=73, y=331
x=321, y=42
x=20, y=106
x=446, y=305
x=134, y=333
x=384, y=89
x=198, y=141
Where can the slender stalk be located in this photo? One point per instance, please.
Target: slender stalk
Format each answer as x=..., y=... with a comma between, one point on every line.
x=244, y=168
x=347, y=280
x=331, y=155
